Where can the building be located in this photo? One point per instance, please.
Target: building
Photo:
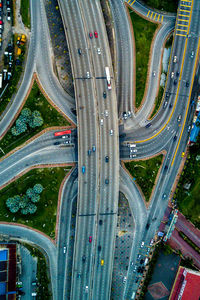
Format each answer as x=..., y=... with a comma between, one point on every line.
x=186, y=285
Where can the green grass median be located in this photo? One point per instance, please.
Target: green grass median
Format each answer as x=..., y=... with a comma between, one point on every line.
x=44, y=218
x=25, y=12
x=51, y=117
x=166, y=5
x=143, y=32
x=144, y=172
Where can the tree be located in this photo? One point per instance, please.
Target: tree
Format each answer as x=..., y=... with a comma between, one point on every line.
x=9, y=202
x=31, y=208
x=24, y=201
x=25, y=211
x=30, y=192
x=21, y=126
x=38, y=188
x=35, y=198
x=13, y=203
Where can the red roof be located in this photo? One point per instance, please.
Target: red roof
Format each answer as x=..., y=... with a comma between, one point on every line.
x=187, y=284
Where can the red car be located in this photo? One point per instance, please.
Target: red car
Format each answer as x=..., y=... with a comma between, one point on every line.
x=90, y=35
x=90, y=239
x=1, y=22
x=96, y=34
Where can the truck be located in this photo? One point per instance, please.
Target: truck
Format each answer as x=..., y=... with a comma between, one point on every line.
x=108, y=77
x=60, y=133
x=83, y=169
x=1, y=78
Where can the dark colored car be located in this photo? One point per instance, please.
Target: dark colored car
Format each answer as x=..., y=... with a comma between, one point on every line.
x=147, y=226
x=83, y=258
x=175, y=137
x=57, y=143
x=100, y=222
x=187, y=84
x=106, y=159
x=99, y=248
x=148, y=125
x=79, y=51
x=170, y=106
x=90, y=35
x=177, y=74
x=166, y=167
x=104, y=95
x=175, y=81
x=106, y=181
x=167, y=95
x=96, y=34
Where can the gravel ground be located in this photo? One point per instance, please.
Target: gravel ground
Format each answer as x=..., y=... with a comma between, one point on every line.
x=60, y=48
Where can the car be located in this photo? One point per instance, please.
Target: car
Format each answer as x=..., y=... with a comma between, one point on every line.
x=107, y=159
x=90, y=239
x=167, y=95
x=177, y=74
x=164, y=196
x=133, y=150
x=192, y=54
x=166, y=167
x=64, y=136
x=175, y=59
x=111, y=131
x=148, y=125
x=124, y=280
x=8, y=16
x=165, y=104
x=148, y=250
x=98, y=51
x=189, y=127
x=135, y=269
x=132, y=145
x=106, y=113
x=125, y=116
x=66, y=142
x=93, y=148
x=183, y=154
x=175, y=81
x=154, y=73
x=96, y=34
x=147, y=226
x=139, y=256
x=136, y=280
x=179, y=118
x=175, y=137
x=88, y=75
x=64, y=250
x=142, y=245
x=79, y=51
x=79, y=275
x=170, y=106
x=89, y=152
x=99, y=248
x=132, y=155
x=86, y=289
x=104, y=95
x=187, y=84
x=102, y=262
x=101, y=122
x=100, y=222
x=151, y=242
x=106, y=181
x=172, y=75
x=141, y=261
x=57, y=143
x=83, y=258
x=90, y=35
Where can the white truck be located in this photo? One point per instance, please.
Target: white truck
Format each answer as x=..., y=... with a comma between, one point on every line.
x=108, y=77
x=1, y=79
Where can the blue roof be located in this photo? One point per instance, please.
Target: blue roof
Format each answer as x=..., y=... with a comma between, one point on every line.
x=2, y=288
x=3, y=255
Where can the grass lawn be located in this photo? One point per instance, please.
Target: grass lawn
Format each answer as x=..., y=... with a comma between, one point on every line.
x=158, y=101
x=51, y=179
x=145, y=172
x=25, y=13
x=51, y=117
x=143, y=32
x=166, y=5
x=188, y=200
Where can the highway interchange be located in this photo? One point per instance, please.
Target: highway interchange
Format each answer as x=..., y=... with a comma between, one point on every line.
x=97, y=200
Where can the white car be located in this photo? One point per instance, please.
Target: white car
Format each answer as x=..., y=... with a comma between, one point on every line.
x=142, y=245
x=124, y=280
x=172, y=75
x=64, y=136
x=175, y=59
x=64, y=250
x=106, y=113
x=98, y=51
x=154, y=73
x=101, y=122
x=88, y=75
x=86, y=289
x=132, y=145
x=133, y=150
x=111, y=131
x=151, y=242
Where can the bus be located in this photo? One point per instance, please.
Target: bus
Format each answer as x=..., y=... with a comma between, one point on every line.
x=60, y=133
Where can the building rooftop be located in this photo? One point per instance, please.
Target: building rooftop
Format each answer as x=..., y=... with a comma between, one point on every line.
x=186, y=285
